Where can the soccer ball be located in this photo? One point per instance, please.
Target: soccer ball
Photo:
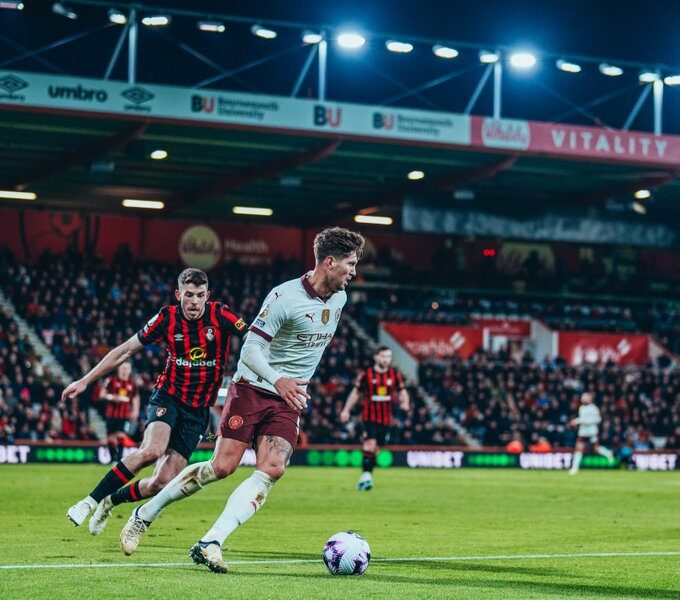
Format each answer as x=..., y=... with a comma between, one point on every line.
x=346, y=553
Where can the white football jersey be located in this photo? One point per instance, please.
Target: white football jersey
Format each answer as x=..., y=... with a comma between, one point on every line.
x=588, y=420
x=298, y=324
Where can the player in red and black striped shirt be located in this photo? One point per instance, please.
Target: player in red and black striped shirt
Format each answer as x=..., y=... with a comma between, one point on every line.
x=196, y=335
x=377, y=386
x=122, y=407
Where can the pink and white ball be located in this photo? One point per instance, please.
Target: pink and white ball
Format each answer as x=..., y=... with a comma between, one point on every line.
x=346, y=553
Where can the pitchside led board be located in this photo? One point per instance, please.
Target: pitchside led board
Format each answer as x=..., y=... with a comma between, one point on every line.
x=19, y=454
x=56, y=93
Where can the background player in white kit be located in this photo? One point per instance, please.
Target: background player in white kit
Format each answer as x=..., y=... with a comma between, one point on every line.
x=588, y=422
x=284, y=346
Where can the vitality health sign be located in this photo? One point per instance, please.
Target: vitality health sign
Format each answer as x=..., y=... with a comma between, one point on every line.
x=558, y=140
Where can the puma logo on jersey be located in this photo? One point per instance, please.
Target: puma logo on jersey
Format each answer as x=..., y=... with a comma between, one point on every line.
x=310, y=316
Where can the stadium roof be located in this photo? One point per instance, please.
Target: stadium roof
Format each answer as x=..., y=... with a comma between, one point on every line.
x=86, y=162
x=92, y=161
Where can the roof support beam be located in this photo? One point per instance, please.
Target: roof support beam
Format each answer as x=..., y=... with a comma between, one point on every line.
x=80, y=156
x=255, y=174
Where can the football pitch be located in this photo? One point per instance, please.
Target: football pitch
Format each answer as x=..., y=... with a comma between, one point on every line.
x=433, y=534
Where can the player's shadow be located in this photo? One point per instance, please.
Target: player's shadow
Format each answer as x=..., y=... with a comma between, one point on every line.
x=577, y=589
x=264, y=554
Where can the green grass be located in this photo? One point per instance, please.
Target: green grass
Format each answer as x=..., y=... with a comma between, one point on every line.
x=410, y=513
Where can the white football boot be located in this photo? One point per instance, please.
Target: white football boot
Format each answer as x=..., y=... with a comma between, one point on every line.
x=365, y=482
x=81, y=510
x=210, y=555
x=132, y=533
x=101, y=516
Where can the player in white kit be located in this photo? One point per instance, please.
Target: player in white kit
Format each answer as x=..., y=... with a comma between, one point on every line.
x=281, y=352
x=588, y=422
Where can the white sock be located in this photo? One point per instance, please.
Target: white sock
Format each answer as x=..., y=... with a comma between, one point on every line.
x=243, y=503
x=606, y=452
x=188, y=482
x=576, y=461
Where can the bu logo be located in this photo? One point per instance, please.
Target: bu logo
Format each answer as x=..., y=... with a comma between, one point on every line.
x=202, y=104
x=327, y=115
x=381, y=121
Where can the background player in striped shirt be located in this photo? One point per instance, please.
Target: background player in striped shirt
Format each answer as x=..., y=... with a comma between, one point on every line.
x=377, y=387
x=296, y=323
x=196, y=335
x=122, y=408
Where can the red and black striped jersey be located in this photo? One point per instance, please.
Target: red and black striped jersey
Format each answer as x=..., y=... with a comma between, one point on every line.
x=197, y=350
x=124, y=391
x=378, y=391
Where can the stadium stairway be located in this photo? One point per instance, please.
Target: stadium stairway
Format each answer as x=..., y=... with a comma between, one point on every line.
x=467, y=438
x=48, y=363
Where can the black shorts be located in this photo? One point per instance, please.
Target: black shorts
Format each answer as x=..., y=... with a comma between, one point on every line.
x=188, y=424
x=115, y=425
x=377, y=431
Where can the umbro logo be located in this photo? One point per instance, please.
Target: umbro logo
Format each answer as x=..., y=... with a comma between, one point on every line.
x=179, y=337
x=137, y=95
x=12, y=84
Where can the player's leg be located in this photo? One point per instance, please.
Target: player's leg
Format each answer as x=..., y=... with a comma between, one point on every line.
x=578, y=455
x=369, y=449
x=167, y=467
x=277, y=428
x=112, y=444
x=191, y=479
x=156, y=439
x=231, y=444
x=224, y=462
x=273, y=454
x=603, y=451
x=185, y=438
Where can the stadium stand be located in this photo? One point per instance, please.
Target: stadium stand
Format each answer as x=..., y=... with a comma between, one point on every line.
x=82, y=307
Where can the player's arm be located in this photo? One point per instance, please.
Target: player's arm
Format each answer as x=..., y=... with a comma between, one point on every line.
x=232, y=322
x=404, y=399
x=403, y=396
x=352, y=399
x=253, y=357
x=104, y=393
x=112, y=360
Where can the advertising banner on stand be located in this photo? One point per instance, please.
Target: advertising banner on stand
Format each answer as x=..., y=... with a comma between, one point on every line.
x=511, y=328
x=588, y=347
x=436, y=341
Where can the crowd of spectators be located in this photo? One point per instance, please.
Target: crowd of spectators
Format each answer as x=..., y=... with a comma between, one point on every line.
x=500, y=399
x=82, y=307
x=372, y=305
x=30, y=403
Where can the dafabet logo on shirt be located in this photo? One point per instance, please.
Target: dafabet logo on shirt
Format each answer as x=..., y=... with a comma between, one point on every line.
x=196, y=358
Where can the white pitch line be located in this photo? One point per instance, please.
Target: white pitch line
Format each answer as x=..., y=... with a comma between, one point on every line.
x=315, y=560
